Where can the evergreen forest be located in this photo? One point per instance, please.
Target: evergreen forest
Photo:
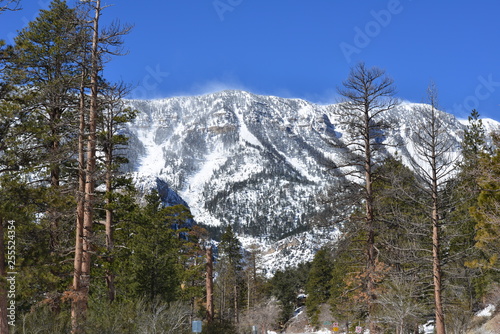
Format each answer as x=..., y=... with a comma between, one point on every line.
x=83, y=251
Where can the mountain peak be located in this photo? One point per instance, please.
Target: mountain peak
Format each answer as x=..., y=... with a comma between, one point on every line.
x=251, y=161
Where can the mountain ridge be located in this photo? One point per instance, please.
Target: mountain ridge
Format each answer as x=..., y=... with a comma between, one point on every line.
x=255, y=162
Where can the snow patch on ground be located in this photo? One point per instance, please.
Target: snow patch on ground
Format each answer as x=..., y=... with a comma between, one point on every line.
x=306, y=111
x=487, y=311
x=245, y=134
x=297, y=164
x=428, y=328
x=193, y=194
x=152, y=162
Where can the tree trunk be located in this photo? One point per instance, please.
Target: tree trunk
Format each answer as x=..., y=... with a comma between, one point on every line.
x=210, y=284
x=371, y=265
x=76, y=307
x=436, y=270
x=236, y=318
x=436, y=256
x=91, y=163
x=55, y=175
x=110, y=278
x=222, y=305
x=248, y=292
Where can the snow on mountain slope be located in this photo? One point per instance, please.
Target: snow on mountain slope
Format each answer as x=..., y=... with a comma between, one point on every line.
x=255, y=162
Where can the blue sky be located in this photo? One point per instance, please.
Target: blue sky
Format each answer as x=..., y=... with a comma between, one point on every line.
x=304, y=49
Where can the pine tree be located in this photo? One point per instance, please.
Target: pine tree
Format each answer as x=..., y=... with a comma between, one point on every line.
x=149, y=264
x=17, y=197
x=318, y=286
x=434, y=164
x=82, y=281
x=367, y=94
x=254, y=276
x=40, y=77
x=107, y=41
x=286, y=286
x=462, y=277
x=229, y=268
x=403, y=246
x=487, y=210
x=112, y=142
x=45, y=66
x=348, y=298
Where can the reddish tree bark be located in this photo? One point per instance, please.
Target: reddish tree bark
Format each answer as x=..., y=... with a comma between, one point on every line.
x=210, y=284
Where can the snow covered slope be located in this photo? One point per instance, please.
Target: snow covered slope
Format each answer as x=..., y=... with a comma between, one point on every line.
x=254, y=162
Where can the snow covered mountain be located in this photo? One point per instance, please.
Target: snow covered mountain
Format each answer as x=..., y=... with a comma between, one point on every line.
x=255, y=162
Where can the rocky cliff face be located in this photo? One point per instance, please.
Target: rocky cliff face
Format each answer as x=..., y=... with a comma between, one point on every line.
x=255, y=162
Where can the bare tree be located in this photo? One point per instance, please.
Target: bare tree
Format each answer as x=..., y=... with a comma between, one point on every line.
x=399, y=304
x=9, y=5
x=434, y=162
x=263, y=316
x=76, y=306
x=367, y=94
x=105, y=42
x=163, y=318
x=83, y=250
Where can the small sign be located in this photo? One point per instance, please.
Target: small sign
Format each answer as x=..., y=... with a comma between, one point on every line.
x=335, y=327
x=327, y=323
x=359, y=329
x=196, y=326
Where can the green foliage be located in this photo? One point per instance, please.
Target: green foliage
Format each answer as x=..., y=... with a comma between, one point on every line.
x=109, y=318
x=347, y=298
x=229, y=285
x=149, y=266
x=42, y=320
x=230, y=249
x=474, y=142
x=463, y=295
x=158, y=264
x=155, y=257
x=404, y=241
x=43, y=276
x=219, y=327
x=286, y=286
x=400, y=241
x=487, y=211
x=46, y=52
x=318, y=284
x=193, y=264
x=36, y=136
x=403, y=230
x=45, y=61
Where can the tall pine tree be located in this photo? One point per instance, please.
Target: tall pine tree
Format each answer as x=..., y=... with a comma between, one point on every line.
x=367, y=94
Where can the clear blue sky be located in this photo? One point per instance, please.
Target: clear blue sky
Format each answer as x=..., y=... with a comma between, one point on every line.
x=304, y=49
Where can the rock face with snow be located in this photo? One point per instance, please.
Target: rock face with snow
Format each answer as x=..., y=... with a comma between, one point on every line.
x=255, y=162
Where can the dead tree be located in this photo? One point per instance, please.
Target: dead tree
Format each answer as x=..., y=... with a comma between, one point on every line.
x=434, y=163
x=367, y=94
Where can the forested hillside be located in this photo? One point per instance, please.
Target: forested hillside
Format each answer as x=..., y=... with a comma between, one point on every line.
x=396, y=205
